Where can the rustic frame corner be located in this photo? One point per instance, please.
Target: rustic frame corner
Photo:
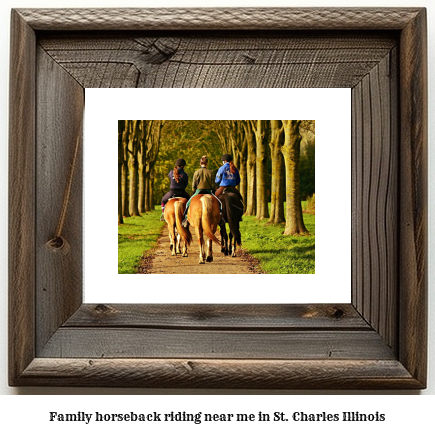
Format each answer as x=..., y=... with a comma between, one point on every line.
x=376, y=342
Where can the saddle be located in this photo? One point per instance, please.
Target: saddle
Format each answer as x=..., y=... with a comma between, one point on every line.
x=229, y=189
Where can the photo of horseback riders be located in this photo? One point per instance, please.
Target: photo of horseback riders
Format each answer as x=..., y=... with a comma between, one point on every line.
x=248, y=187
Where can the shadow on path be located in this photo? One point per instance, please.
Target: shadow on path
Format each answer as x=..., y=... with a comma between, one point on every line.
x=162, y=262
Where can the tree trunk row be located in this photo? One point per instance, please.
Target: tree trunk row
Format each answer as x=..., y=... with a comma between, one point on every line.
x=251, y=144
x=138, y=147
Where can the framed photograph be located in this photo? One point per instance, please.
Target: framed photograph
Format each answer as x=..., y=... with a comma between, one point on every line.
x=376, y=341
x=191, y=139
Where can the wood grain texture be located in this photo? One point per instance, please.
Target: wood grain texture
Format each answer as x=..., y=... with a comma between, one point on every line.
x=220, y=18
x=59, y=279
x=220, y=317
x=21, y=197
x=375, y=198
x=228, y=374
x=236, y=60
x=378, y=342
x=127, y=342
x=413, y=198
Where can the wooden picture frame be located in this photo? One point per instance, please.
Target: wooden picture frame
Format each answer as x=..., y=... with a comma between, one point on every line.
x=377, y=341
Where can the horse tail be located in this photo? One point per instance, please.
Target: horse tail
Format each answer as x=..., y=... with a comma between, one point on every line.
x=207, y=218
x=184, y=232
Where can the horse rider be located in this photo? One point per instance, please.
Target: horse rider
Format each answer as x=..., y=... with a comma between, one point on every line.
x=228, y=176
x=202, y=184
x=179, y=181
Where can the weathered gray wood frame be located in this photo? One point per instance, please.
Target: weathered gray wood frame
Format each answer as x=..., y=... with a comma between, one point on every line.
x=378, y=341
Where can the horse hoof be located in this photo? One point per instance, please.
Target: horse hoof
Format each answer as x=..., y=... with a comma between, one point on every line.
x=209, y=258
x=234, y=254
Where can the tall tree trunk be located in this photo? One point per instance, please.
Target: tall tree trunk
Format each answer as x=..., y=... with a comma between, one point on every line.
x=146, y=143
x=261, y=161
x=147, y=191
x=141, y=192
x=235, y=152
x=133, y=172
x=133, y=167
x=291, y=151
x=124, y=190
x=223, y=134
x=243, y=188
x=251, y=188
x=152, y=154
x=277, y=185
x=151, y=189
x=124, y=172
x=121, y=126
x=238, y=143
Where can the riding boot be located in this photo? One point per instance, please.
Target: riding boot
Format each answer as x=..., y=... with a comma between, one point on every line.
x=185, y=223
x=222, y=222
x=162, y=217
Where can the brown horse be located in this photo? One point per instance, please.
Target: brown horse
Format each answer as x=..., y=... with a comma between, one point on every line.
x=232, y=211
x=174, y=210
x=204, y=215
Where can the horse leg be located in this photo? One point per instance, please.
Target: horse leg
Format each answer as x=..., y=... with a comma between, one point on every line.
x=178, y=243
x=209, y=251
x=171, y=242
x=199, y=235
x=232, y=245
x=224, y=239
x=185, y=250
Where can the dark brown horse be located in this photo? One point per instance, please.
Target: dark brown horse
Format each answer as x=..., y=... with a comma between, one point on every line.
x=232, y=211
x=174, y=210
x=204, y=216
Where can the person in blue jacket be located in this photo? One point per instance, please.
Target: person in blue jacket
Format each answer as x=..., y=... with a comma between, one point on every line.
x=179, y=181
x=228, y=176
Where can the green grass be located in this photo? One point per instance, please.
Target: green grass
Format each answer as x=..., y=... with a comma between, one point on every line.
x=279, y=254
x=135, y=236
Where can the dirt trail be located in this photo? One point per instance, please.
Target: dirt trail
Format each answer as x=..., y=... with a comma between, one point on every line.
x=162, y=262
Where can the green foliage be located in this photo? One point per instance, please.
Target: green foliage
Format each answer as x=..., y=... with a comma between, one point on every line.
x=135, y=236
x=280, y=254
x=193, y=139
x=189, y=140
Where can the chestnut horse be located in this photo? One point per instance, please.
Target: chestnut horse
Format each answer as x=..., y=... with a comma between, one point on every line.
x=174, y=210
x=204, y=215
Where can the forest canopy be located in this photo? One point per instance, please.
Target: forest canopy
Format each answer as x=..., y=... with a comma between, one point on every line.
x=275, y=158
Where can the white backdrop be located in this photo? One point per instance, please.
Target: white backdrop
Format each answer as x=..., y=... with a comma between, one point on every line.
x=10, y=406
x=331, y=282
